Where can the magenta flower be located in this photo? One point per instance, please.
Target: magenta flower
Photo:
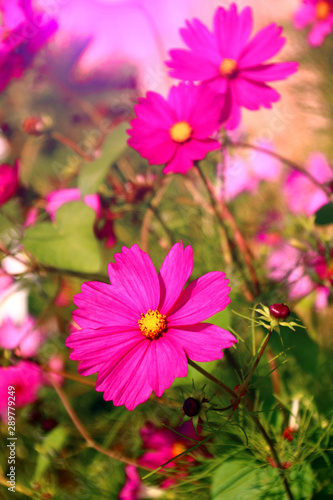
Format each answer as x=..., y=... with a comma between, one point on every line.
x=26, y=377
x=176, y=131
x=23, y=34
x=56, y=199
x=8, y=182
x=318, y=14
x=138, y=332
x=230, y=63
x=302, y=195
x=25, y=338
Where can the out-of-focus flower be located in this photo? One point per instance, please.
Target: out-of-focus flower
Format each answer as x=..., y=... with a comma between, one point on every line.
x=8, y=181
x=55, y=364
x=230, y=63
x=23, y=33
x=25, y=338
x=302, y=195
x=239, y=174
x=318, y=14
x=65, y=294
x=56, y=199
x=298, y=270
x=138, y=332
x=4, y=148
x=26, y=378
x=176, y=131
x=160, y=446
x=13, y=299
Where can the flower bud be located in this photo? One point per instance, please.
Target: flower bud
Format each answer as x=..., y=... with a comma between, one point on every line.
x=191, y=407
x=279, y=311
x=35, y=125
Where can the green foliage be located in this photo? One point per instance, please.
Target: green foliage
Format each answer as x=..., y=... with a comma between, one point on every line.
x=93, y=174
x=68, y=243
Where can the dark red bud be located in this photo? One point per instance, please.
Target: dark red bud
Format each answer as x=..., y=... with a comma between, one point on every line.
x=191, y=407
x=279, y=311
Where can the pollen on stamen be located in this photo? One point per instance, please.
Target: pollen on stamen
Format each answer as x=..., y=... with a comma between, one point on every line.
x=152, y=324
x=228, y=68
x=181, y=132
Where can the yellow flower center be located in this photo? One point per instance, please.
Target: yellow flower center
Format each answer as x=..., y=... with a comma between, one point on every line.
x=323, y=10
x=181, y=132
x=228, y=67
x=152, y=324
x=177, y=449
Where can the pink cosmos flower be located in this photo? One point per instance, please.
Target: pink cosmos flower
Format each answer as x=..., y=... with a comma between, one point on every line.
x=138, y=332
x=26, y=377
x=176, y=131
x=302, y=195
x=56, y=199
x=318, y=14
x=25, y=338
x=22, y=35
x=8, y=181
x=300, y=273
x=230, y=63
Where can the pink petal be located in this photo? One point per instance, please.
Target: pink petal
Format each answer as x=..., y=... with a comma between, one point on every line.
x=253, y=95
x=202, y=342
x=104, y=345
x=175, y=271
x=200, y=40
x=155, y=111
x=155, y=145
x=125, y=380
x=270, y=72
x=188, y=65
x=180, y=163
x=103, y=305
x=319, y=31
x=232, y=30
x=165, y=361
x=135, y=276
x=305, y=14
x=200, y=300
x=264, y=45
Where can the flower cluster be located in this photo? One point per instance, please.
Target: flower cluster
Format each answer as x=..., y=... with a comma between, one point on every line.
x=231, y=72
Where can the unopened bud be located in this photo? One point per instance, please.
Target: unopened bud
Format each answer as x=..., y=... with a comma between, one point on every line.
x=279, y=311
x=191, y=407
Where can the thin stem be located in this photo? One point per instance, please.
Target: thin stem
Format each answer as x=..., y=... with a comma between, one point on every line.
x=84, y=433
x=239, y=240
x=57, y=136
x=275, y=455
x=213, y=379
x=161, y=221
x=70, y=376
x=248, y=378
x=284, y=160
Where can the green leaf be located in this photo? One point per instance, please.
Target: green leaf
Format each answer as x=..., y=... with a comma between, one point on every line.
x=93, y=174
x=299, y=344
x=53, y=444
x=246, y=480
x=69, y=243
x=324, y=215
